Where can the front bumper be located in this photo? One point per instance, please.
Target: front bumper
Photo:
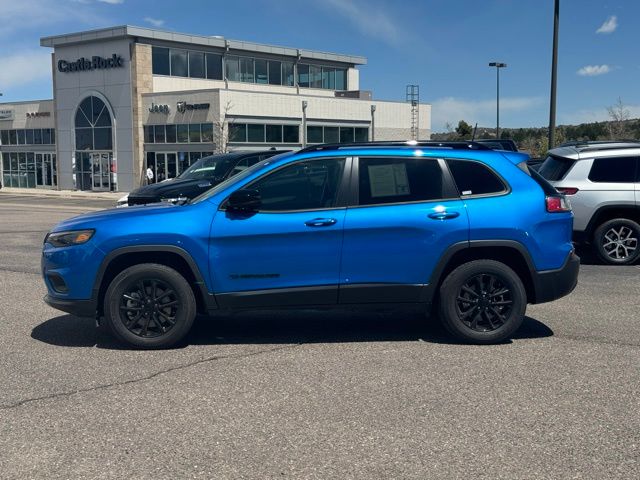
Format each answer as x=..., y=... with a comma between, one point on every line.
x=552, y=284
x=79, y=308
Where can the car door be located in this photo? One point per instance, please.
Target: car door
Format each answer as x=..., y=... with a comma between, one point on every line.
x=405, y=215
x=287, y=253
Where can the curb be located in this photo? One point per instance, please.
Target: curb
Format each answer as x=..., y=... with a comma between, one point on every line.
x=29, y=192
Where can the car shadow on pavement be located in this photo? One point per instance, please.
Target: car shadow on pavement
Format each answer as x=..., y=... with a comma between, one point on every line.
x=281, y=327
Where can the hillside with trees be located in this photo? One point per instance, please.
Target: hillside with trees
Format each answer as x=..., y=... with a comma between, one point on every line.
x=535, y=140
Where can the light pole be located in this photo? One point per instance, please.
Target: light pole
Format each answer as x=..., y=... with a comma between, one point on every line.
x=373, y=123
x=498, y=66
x=304, y=123
x=554, y=74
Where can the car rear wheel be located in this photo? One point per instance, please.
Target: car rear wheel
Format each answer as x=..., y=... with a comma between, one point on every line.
x=616, y=241
x=482, y=302
x=149, y=306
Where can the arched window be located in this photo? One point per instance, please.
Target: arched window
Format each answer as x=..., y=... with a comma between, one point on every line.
x=93, y=125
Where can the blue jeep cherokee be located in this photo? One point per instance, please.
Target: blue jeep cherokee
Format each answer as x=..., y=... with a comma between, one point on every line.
x=469, y=230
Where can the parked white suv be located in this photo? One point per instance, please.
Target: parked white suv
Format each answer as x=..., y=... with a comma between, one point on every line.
x=602, y=181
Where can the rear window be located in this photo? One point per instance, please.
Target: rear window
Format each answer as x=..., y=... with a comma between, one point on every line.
x=555, y=168
x=473, y=178
x=613, y=170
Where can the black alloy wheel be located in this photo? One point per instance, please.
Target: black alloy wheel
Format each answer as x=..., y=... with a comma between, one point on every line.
x=482, y=302
x=617, y=241
x=149, y=306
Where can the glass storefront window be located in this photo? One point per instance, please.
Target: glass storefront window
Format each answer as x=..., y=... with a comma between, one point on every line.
x=315, y=76
x=158, y=133
x=214, y=66
x=275, y=72
x=287, y=74
x=246, y=70
x=194, y=133
x=29, y=136
x=102, y=138
x=148, y=134
x=13, y=137
x=303, y=75
x=160, y=61
x=84, y=139
x=262, y=75
x=237, y=132
x=331, y=135
x=207, y=132
x=232, y=66
x=37, y=136
x=361, y=134
x=346, y=134
x=170, y=133
x=179, y=67
x=274, y=133
x=290, y=134
x=196, y=64
x=46, y=136
x=255, y=133
x=328, y=78
x=341, y=79
x=183, y=133
x=4, y=137
x=314, y=134
x=21, y=137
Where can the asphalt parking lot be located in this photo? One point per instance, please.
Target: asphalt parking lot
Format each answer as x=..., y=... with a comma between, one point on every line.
x=312, y=395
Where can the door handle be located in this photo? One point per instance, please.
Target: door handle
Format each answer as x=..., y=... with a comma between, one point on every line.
x=321, y=222
x=443, y=215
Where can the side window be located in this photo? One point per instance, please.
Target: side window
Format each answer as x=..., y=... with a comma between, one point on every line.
x=306, y=185
x=238, y=167
x=474, y=178
x=398, y=180
x=613, y=170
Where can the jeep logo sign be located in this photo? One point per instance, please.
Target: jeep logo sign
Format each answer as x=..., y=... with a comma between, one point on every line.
x=96, y=63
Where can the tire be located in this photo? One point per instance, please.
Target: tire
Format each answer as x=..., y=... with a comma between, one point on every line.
x=617, y=241
x=482, y=319
x=149, y=306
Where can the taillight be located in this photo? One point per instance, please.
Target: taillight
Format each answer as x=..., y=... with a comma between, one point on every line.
x=557, y=203
x=567, y=190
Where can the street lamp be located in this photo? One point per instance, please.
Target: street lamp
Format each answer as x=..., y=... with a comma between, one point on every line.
x=554, y=74
x=498, y=66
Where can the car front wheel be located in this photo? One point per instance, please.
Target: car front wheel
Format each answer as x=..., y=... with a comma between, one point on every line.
x=482, y=302
x=149, y=306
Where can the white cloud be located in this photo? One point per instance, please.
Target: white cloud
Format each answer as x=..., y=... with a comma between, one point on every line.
x=41, y=15
x=586, y=115
x=609, y=25
x=593, y=70
x=367, y=17
x=112, y=2
x=24, y=67
x=156, y=22
x=452, y=110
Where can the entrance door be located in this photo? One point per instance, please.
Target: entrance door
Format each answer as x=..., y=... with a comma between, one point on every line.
x=100, y=172
x=44, y=169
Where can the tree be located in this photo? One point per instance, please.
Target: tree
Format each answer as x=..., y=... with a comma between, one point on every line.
x=463, y=129
x=221, y=129
x=619, y=115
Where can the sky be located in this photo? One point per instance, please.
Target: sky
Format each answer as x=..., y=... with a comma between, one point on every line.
x=443, y=46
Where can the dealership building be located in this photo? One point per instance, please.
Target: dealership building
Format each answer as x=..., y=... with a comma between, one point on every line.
x=128, y=98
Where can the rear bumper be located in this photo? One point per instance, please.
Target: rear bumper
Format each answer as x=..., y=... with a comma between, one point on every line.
x=79, y=308
x=552, y=284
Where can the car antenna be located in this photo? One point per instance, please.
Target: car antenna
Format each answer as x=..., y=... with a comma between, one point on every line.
x=475, y=129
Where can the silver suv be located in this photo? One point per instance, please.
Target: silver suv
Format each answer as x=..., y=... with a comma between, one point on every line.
x=602, y=180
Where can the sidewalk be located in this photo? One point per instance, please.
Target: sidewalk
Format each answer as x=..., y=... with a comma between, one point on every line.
x=38, y=192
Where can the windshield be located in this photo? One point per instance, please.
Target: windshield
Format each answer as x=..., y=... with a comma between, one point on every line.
x=206, y=167
x=237, y=178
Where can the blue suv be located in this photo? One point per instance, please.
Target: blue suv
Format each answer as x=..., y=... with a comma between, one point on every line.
x=455, y=227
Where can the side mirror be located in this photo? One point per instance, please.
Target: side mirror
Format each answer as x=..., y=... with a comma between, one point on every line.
x=244, y=200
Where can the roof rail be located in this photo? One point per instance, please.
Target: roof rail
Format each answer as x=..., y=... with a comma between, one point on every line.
x=462, y=145
x=586, y=146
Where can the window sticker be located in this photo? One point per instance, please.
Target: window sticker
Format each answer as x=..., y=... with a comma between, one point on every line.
x=388, y=180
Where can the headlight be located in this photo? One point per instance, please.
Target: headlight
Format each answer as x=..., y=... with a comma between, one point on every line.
x=65, y=239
